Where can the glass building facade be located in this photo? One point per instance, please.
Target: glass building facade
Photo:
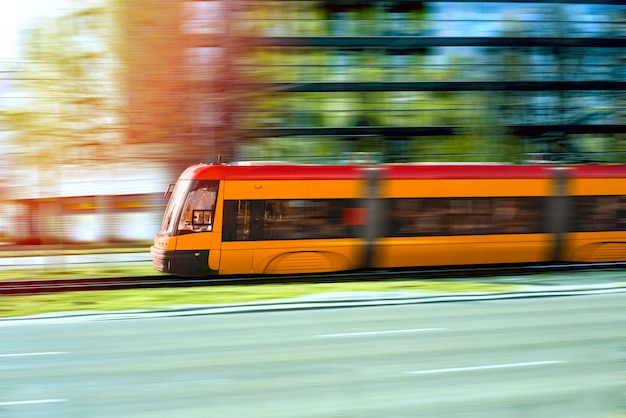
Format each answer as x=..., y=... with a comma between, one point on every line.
x=413, y=81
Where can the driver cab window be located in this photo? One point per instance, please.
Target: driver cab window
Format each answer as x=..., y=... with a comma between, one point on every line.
x=199, y=208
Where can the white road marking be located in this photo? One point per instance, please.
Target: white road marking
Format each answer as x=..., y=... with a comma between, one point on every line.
x=396, y=331
x=492, y=366
x=32, y=402
x=48, y=353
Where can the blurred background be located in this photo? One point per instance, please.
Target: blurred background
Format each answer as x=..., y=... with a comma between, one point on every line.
x=104, y=102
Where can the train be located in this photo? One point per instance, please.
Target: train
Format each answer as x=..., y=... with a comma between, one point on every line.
x=282, y=218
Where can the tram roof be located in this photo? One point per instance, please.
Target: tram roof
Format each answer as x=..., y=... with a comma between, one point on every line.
x=286, y=171
x=465, y=171
x=274, y=172
x=600, y=171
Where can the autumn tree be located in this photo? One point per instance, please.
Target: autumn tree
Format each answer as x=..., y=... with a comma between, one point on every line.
x=173, y=52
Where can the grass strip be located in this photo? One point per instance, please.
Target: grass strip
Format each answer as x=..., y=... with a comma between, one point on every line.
x=161, y=298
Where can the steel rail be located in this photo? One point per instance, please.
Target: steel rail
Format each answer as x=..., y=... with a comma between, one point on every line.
x=41, y=286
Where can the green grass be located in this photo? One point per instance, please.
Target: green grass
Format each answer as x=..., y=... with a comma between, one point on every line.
x=162, y=298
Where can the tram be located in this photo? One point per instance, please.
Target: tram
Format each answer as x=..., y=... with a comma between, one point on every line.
x=230, y=219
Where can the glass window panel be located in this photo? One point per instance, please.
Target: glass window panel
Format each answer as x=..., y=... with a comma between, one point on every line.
x=465, y=216
x=200, y=202
x=599, y=213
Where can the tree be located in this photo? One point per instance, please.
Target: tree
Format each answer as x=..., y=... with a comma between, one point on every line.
x=71, y=103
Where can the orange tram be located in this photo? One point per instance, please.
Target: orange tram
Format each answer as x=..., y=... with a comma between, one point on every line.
x=230, y=219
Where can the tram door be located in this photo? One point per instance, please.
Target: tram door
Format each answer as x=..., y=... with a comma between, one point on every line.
x=242, y=228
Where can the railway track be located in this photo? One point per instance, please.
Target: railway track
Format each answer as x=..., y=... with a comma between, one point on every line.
x=40, y=286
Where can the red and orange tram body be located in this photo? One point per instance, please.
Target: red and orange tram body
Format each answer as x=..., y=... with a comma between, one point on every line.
x=289, y=219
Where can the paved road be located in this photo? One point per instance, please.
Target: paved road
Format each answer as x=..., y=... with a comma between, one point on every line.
x=540, y=357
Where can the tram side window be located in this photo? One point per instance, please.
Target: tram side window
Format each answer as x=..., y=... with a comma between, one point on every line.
x=465, y=216
x=599, y=213
x=304, y=219
x=238, y=220
x=285, y=219
x=242, y=225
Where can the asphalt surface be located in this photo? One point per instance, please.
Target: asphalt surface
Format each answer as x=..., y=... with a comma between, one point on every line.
x=554, y=345
x=529, y=357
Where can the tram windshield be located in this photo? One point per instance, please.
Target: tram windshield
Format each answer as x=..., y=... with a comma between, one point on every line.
x=191, y=208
